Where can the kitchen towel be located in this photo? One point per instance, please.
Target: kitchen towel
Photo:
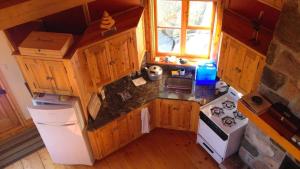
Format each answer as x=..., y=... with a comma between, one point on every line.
x=145, y=117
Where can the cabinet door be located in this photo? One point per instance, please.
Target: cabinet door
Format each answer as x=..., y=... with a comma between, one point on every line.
x=121, y=51
x=135, y=124
x=109, y=138
x=181, y=115
x=194, y=117
x=248, y=74
x=165, y=113
x=234, y=62
x=99, y=64
x=123, y=130
x=37, y=76
x=59, y=77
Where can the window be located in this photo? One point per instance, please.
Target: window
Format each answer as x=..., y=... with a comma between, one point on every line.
x=184, y=27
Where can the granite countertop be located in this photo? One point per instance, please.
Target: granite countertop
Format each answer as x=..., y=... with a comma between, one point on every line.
x=113, y=107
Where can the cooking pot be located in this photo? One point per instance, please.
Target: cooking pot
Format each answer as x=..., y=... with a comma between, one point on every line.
x=154, y=72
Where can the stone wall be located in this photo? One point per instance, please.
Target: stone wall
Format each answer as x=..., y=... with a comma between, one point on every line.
x=281, y=76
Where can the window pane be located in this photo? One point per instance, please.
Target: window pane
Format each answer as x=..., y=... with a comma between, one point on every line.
x=168, y=40
x=200, y=13
x=197, y=42
x=169, y=13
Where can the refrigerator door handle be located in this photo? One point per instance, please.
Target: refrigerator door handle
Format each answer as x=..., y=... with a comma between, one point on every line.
x=68, y=124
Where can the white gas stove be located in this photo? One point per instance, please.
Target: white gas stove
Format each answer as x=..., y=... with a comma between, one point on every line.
x=221, y=126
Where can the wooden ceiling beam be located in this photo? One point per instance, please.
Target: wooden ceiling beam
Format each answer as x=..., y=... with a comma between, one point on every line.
x=28, y=10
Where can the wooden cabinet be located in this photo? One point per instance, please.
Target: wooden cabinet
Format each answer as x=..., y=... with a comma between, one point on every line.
x=273, y=3
x=116, y=134
x=99, y=63
x=121, y=51
x=112, y=59
x=108, y=138
x=177, y=114
x=123, y=130
x=172, y=114
x=46, y=76
x=135, y=124
x=239, y=65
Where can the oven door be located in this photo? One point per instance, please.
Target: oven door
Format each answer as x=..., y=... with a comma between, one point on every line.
x=214, y=136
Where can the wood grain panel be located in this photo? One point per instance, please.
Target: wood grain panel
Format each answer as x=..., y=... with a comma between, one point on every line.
x=33, y=9
x=97, y=7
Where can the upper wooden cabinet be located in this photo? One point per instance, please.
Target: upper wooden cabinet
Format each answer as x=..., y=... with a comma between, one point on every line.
x=112, y=57
x=239, y=65
x=46, y=76
x=273, y=3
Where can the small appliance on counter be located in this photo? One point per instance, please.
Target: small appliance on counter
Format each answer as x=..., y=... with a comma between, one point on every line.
x=256, y=103
x=62, y=128
x=221, y=87
x=154, y=72
x=206, y=72
x=221, y=126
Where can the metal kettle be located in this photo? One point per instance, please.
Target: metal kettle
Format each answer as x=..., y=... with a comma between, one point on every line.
x=154, y=72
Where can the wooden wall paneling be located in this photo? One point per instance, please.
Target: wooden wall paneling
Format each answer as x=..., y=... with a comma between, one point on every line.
x=250, y=9
x=140, y=42
x=73, y=21
x=97, y=7
x=148, y=28
x=33, y=9
x=218, y=29
x=87, y=14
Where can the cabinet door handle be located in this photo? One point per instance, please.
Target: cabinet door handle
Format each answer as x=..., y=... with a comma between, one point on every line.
x=238, y=70
x=49, y=78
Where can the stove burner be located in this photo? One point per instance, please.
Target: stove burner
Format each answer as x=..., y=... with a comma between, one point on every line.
x=217, y=111
x=229, y=105
x=238, y=115
x=228, y=121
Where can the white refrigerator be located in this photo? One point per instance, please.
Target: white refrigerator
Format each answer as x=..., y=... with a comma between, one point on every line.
x=61, y=126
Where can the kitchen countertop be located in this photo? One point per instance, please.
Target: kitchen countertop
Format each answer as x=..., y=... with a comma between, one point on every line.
x=113, y=107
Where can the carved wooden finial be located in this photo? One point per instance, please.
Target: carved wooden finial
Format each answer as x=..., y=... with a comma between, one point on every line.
x=107, y=22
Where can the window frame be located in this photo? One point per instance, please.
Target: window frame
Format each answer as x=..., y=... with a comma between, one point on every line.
x=183, y=30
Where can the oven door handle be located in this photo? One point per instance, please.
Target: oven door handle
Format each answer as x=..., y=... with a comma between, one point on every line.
x=209, y=149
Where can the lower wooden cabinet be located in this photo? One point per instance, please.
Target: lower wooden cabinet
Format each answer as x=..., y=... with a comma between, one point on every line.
x=177, y=114
x=115, y=134
x=172, y=114
x=108, y=138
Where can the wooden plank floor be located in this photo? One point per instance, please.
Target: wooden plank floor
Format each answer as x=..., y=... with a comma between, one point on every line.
x=161, y=149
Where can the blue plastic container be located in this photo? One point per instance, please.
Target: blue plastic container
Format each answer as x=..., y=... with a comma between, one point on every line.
x=206, y=72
